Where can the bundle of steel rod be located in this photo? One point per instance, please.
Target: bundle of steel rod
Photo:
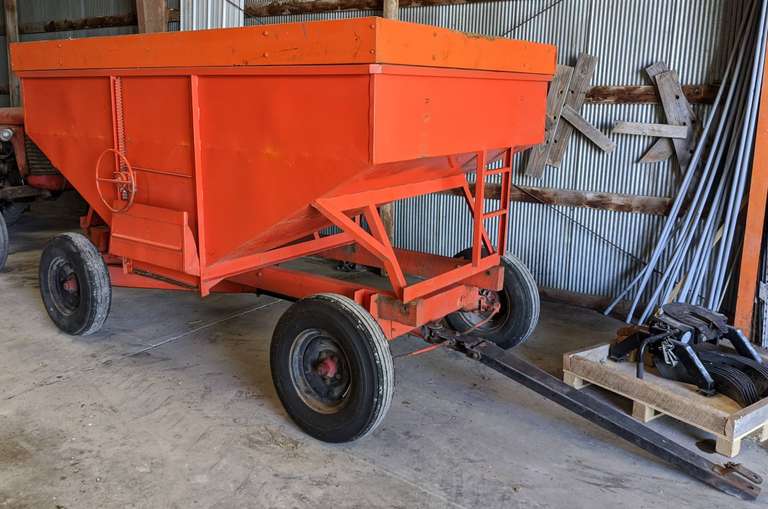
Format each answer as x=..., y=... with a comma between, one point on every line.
x=694, y=256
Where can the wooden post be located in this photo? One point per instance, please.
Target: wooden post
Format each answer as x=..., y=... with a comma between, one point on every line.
x=12, y=35
x=390, y=9
x=152, y=16
x=386, y=212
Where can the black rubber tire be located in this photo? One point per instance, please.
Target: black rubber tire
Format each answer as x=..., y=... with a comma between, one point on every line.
x=87, y=310
x=517, y=322
x=4, y=242
x=12, y=211
x=370, y=370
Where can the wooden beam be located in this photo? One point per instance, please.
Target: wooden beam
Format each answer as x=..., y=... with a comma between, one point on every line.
x=65, y=25
x=152, y=16
x=661, y=150
x=558, y=91
x=390, y=9
x=646, y=94
x=593, y=134
x=286, y=7
x=573, y=198
x=588, y=199
x=655, y=130
x=387, y=212
x=11, y=36
x=577, y=91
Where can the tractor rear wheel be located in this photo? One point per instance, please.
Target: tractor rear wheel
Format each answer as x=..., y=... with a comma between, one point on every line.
x=74, y=284
x=3, y=243
x=332, y=368
x=519, y=307
x=12, y=211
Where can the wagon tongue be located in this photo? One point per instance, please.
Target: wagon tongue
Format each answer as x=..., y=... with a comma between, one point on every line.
x=731, y=478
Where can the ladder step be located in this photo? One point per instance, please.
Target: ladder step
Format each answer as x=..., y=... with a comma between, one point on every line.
x=498, y=171
x=495, y=213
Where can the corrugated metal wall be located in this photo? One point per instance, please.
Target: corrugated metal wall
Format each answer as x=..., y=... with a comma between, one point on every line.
x=196, y=15
x=576, y=249
x=572, y=249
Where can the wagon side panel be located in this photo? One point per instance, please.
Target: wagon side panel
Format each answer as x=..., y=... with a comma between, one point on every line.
x=70, y=119
x=271, y=145
x=454, y=112
x=157, y=113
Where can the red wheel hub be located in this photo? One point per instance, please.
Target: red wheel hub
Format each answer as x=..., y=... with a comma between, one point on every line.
x=70, y=284
x=327, y=367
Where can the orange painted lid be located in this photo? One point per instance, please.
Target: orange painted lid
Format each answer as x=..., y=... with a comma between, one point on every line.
x=351, y=41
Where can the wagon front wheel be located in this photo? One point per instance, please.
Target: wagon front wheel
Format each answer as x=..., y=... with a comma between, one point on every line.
x=74, y=284
x=332, y=368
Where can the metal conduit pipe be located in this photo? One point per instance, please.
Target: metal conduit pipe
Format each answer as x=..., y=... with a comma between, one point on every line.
x=737, y=53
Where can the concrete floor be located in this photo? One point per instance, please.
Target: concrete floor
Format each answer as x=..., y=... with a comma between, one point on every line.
x=171, y=405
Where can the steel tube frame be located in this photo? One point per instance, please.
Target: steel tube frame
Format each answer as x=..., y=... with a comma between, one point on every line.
x=447, y=285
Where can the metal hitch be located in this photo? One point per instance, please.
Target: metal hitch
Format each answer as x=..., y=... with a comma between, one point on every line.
x=731, y=478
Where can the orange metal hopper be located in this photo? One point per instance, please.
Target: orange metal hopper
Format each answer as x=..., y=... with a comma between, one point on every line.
x=208, y=155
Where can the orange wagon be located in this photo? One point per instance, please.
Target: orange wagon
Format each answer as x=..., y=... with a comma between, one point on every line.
x=211, y=158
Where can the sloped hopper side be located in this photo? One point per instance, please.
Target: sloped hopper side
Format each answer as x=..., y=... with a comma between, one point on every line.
x=274, y=140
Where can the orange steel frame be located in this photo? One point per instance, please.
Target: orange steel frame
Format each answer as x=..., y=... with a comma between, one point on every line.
x=446, y=284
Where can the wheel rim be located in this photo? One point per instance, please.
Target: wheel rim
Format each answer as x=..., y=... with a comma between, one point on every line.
x=473, y=318
x=64, y=286
x=320, y=371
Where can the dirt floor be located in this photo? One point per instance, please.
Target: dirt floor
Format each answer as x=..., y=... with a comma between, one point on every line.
x=171, y=405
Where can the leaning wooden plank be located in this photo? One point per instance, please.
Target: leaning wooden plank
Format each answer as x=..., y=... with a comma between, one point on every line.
x=661, y=150
x=591, y=132
x=655, y=69
x=577, y=91
x=655, y=130
x=676, y=108
x=558, y=91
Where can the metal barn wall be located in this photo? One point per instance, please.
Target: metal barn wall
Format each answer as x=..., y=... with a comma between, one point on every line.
x=577, y=249
x=197, y=15
x=39, y=12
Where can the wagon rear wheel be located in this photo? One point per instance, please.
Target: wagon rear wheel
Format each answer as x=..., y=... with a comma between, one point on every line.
x=332, y=368
x=519, y=307
x=3, y=243
x=74, y=284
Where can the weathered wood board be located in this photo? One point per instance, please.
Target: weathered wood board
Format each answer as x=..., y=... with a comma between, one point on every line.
x=661, y=150
x=558, y=92
x=677, y=109
x=577, y=92
x=591, y=132
x=655, y=130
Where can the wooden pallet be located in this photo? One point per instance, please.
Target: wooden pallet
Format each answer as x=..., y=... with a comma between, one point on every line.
x=654, y=396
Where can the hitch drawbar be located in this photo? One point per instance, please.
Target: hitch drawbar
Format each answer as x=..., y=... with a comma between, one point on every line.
x=730, y=478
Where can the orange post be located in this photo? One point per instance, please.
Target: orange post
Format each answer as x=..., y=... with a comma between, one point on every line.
x=755, y=220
